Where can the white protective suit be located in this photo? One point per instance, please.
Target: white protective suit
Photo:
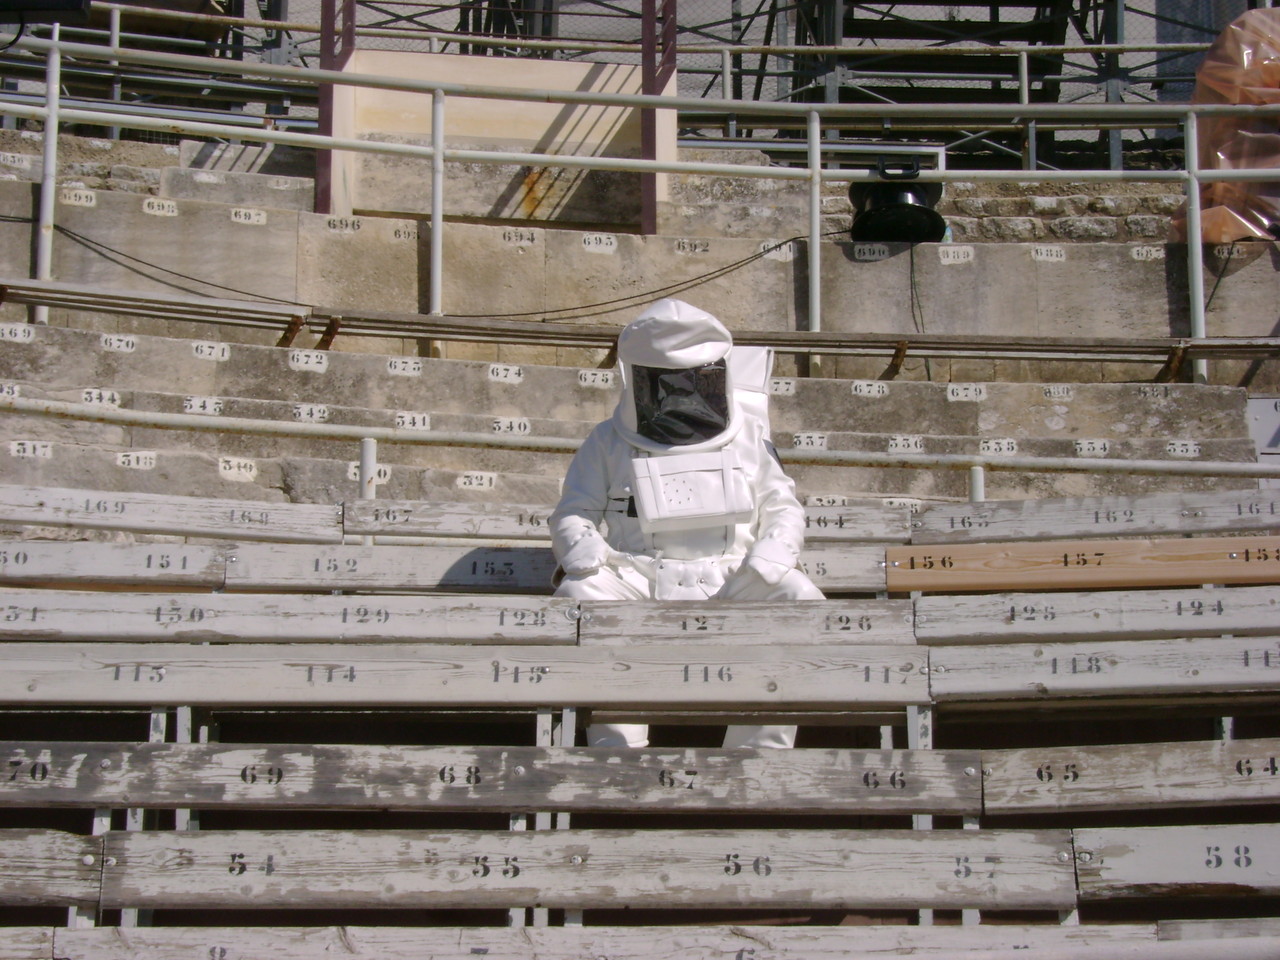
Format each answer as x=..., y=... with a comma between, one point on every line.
x=745, y=543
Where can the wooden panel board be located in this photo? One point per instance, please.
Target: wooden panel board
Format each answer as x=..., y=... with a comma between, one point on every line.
x=1236, y=860
x=515, y=569
x=184, y=516
x=1216, y=929
x=470, y=778
x=49, y=868
x=818, y=621
x=87, y=615
x=266, y=674
x=152, y=564
x=858, y=522
x=510, y=569
x=1078, y=517
x=1082, y=564
x=27, y=943
x=1136, y=776
x=579, y=943
x=1135, y=614
x=898, y=869
x=1140, y=668
x=844, y=567
x=433, y=518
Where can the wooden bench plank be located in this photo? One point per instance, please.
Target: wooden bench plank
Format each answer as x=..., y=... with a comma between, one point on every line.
x=183, y=516
x=514, y=569
x=510, y=569
x=49, y=868
x=1132, y=776
x=863, y=522
x=1235, y=860
x=114, y=615
x=1081, y=517
x=481, y=778
x=581, y=943
x=126, y=564
x=27, y=943
x=1216, y=929
x=777, y=869
x=818, y=621
x=264, y=674
x=1142, y=668
x=1084, y=564
x=1008, y=617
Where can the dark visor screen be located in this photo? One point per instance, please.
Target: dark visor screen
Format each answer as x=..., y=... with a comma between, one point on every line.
x=680, y=407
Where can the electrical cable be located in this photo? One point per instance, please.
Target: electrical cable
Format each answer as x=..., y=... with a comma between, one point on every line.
x=22, y=29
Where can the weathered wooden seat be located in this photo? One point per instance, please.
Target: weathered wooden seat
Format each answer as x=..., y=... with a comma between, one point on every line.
x=286, y=777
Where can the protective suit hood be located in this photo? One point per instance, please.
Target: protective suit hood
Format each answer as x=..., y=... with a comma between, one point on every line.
x=677, y=390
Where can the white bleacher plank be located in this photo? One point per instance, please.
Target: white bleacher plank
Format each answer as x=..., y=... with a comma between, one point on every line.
x=126, y=564
x=845, y=567
x=265, y=674
x=1140, y=668
x=419, y=518
x=582, y=943
x=1232, y=860
x=1216, y=929
x=516, y=568
x=1008, y=617
x=510, y=569
x=1083, y=564
x=115, y=615
x=49, y=868
x=861, y=522
x=483, y=778
x=1067, y=518
x=27, y=943
x=183, y=516
x=582, y=869
x=817, y=621
x=1134, y=776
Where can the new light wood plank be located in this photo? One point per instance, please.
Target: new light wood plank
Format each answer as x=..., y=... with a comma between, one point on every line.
x=266, y=674
x=26, y=943
x=1235, y=860
x=515, y=569
x=580, y=943
x=1133, y=776
x=591, y=868
x=1080, y=564
x=471, y=778
x=830, y=621
x=49, y=868
x=1143, y=515
x=89, y=615
x=183, y=516
x=1116, y=614
x=125, y=564
x=1144, y=668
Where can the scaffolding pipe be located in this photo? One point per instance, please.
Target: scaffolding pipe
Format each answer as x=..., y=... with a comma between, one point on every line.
x=815, y=222
x=847, y=458
x=48, y=173
x=1195, y=247
x=435, y=268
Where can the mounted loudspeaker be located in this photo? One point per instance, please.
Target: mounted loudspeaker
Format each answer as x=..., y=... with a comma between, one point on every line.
x=896, y=210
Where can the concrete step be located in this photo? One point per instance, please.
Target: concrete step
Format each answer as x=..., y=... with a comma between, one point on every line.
x=253, y=190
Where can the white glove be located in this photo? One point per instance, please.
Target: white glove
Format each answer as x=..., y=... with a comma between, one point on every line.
x=771, y=560
x=587, y=554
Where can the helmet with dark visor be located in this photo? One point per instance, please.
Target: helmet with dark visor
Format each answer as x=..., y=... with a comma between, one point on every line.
x=681, y=407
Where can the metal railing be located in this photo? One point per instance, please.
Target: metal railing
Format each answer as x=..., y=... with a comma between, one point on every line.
x=813, y=117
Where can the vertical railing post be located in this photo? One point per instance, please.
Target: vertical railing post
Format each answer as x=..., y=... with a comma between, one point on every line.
x=657, y=64
x=1029, y=158
x=815, y=221
x=1195, y=248
x=117, y=87
x=435, y=279
x=48, y=172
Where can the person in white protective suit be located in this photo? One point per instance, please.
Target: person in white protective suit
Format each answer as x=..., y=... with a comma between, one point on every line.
x=679, y=495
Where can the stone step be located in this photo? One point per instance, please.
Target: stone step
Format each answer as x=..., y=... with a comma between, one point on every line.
x=66, y=362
